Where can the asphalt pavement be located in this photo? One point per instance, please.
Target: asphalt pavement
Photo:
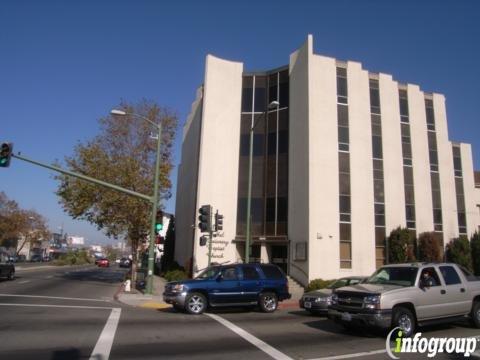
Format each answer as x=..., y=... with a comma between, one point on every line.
x=73, y=313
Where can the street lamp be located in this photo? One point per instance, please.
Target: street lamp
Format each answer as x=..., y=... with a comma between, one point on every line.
x=154, y=198
x=272, y=105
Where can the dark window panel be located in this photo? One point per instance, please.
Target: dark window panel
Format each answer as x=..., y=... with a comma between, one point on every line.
x=282, y=209
x=459, y=186
x=376, y=119
x=258, y=144
x=380, y=220
x=375, y=100
x=272, y=88
x=377, y=165
x=344, y=184
x=377, y=147
x=343, y=135
x=405, y=130
x=342, y=112
x=345, y=217
x=457, y=163
x=272, y=143
x=378, y=191
x=379, y=209
x=430, y=115
x=345, y=232
x=378, y=174
x=460, y=203
x=407, y=162
x=411, y=224
x=344, y=162
x=247, y=94
x=345, y=204
x=436, y=199
x=380, y=236
x=404, y=107
x=342, y=87
x=341, y=71
x=409, y=195
x=376, y=130
x=438, y=227
x=283, y=119
x=406, y=151
x=270, y=213
x=343, y=147
x=433, y=157
x=456, y=151
x=260, y=94
x=410, y=212
x=432, y=140
x=435, y=178
x=342, y=100
x=408, y=175
x=283, y=142
x=437, y=216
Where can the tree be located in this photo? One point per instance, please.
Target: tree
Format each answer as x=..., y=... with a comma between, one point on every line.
x=401, y=246
x=19, y=225
x=458, y=251
x=169, y=246
x=429, y=247
x=475, y=250
x=123, y=154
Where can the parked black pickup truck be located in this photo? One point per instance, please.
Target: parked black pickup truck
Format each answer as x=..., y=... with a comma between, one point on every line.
x=7, y=269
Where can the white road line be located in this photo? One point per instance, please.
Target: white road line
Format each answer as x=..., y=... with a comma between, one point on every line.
x=349, y=356
x=58, y=306
x=274, y=353
x=51, y=297
x=105, y=341
x=24, y=281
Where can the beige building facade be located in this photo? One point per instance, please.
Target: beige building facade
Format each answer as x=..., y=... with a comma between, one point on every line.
x=341, y=157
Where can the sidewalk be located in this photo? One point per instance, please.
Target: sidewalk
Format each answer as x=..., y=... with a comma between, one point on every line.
x=155, y=301
x=138, y=299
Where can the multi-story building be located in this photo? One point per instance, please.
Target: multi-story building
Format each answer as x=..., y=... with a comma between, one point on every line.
x=341, y=156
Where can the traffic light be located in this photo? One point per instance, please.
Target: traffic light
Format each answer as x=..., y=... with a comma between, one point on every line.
x=159, y=222
x=205, y=218
x=218, y=221
x=5, y=154
x=203, y=240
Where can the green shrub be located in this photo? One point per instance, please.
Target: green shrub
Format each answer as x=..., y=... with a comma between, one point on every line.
x=317, y=284
x=79, y=257
x=475, y=248
x=458, y=251
x=401, y=246
x=175, y=275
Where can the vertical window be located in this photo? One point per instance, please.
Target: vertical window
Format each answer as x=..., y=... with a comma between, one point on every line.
x=434, y=169
x=378, y=180
x=269, y=196
x=344, y=170
x=461, y=210
x=407, y=160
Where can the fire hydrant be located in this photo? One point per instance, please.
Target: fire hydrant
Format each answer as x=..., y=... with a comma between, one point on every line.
x=128, y=286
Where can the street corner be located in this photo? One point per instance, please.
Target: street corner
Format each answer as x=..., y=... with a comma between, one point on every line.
x=155, y=305
x=289, y=305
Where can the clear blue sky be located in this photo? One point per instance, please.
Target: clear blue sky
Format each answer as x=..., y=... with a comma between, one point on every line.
x=64, y=64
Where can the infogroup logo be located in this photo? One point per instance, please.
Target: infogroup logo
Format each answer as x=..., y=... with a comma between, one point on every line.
x=432, y=346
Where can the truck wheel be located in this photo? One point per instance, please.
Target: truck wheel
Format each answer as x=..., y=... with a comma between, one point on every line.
x=268, y=302
x=11, y=275
x=475, y=314
x=405, y=320
x=195, y=303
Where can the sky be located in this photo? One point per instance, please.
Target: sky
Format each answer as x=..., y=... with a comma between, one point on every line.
x=65, y=64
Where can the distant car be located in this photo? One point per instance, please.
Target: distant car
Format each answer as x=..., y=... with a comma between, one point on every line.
x=36, y=258
x=7, y=269
x=103, y=263
x=125, y=263
x=317, y=301
x=47, y=258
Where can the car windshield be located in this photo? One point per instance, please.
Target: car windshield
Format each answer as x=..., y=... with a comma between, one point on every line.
x=209, y=272
x=337, y=284
x=401, y=276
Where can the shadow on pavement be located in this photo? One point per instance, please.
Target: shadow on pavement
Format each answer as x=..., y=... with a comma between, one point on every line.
x=105, y=275
x=70, y=354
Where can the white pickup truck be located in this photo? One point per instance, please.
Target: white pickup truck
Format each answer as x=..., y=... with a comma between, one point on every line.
x=407, y=296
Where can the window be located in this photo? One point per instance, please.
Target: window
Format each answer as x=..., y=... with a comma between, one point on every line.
x=229, y=273
x=250, y=273
x=450, y=275
x=272, y=272
x=429, y=277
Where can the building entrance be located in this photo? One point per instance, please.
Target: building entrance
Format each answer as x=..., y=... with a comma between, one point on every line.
x=279, y=256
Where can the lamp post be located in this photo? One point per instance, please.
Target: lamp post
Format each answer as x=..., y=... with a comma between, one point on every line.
x=154, y=199
x=272, y=105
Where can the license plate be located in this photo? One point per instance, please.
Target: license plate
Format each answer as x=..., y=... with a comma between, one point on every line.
x=346, y=317
x=307, y=304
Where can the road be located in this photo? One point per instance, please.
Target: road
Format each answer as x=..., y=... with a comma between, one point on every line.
x=69, y=313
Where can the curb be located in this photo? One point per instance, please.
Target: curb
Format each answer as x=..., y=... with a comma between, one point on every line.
x=289, y=305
